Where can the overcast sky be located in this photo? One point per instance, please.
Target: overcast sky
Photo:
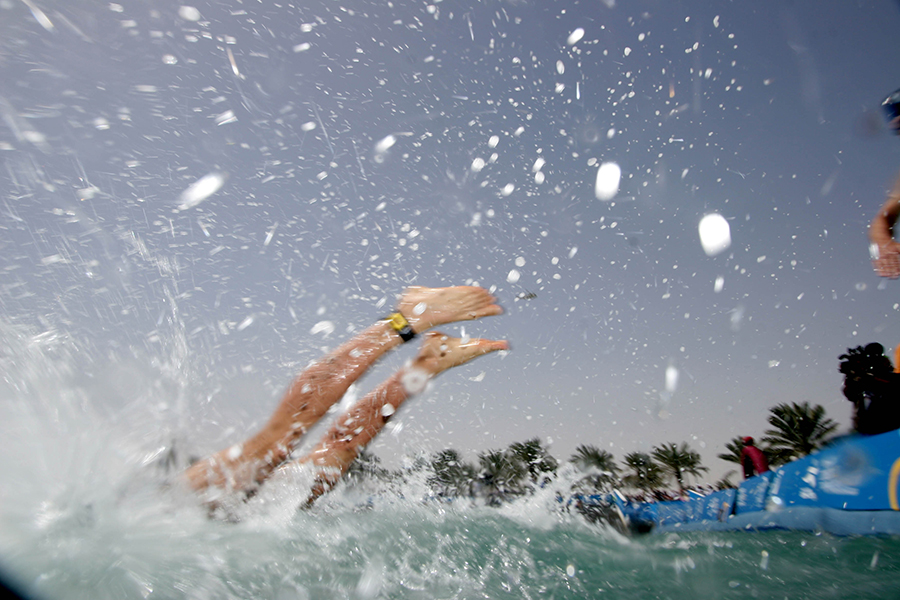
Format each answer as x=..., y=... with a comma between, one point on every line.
x=365, y=146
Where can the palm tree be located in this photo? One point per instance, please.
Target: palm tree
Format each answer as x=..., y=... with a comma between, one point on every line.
x=679, y=461
x=725, y=482
x=599, y=464
x=644, y=474
x=797, y=430
x=734, y=447
x=501, y=474
x=536, y=458
x=451, y=476
x=366, y=466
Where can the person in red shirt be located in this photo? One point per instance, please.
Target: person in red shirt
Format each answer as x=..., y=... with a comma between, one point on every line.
x=752, y=459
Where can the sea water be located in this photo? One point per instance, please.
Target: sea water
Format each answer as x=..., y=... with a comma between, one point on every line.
x=91, y=509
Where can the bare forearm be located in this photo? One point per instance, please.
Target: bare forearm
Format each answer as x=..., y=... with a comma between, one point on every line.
x=881, y=230
x=345, y=440
x=357, y=427
x=325, y=382
x=243, y=466
x=312, y=393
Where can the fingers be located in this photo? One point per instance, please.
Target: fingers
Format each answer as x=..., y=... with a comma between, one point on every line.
x=886, y=259
x=440, y=352
x=476, y=347
x=487, y=346
x=429, y=307
x=889, y=272
x=491, y=310
x=887, y=266
x=483, y=304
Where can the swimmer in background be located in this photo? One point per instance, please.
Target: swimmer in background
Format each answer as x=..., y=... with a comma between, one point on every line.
x=885, y=251
x=242, y=468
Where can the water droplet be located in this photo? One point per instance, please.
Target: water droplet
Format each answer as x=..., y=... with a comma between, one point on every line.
x=607, y=184
x=715, y=234
x=575, y=36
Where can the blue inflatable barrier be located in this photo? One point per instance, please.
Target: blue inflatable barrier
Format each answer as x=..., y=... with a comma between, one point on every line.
x=670, y=512
x=857, y=473
x=849, y=488
x=751, y=495
x=718, y=506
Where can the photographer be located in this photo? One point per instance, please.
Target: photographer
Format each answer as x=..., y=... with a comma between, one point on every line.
x=872, y=386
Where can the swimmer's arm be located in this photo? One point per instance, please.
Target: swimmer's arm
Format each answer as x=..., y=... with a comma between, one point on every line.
x=886, y=251
x=244, y=466
x=882, y=229
x=355, y=429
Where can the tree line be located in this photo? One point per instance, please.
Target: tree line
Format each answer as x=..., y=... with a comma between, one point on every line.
x=502, y=474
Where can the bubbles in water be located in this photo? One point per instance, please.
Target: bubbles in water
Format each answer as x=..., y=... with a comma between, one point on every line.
x=607, y=184
x=715, y=234
x=513, y=276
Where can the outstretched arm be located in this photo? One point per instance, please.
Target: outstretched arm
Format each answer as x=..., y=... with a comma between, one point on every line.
x=357, y=427
x=886, y=251
x=244, y=466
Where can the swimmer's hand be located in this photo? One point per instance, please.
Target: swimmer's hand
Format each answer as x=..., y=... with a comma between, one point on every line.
x=425, y=308
x=440, y=352
x=886, y=258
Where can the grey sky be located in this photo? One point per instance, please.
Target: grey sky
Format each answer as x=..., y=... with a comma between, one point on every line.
x=765, y=112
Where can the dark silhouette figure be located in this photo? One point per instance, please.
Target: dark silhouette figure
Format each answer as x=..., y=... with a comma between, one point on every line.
x=874, y=389
x=752, y=459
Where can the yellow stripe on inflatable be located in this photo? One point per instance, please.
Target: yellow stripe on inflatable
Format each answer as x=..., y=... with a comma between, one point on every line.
x=892, y=485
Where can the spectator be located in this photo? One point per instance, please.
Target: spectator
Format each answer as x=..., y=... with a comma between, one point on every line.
x=752, y=459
